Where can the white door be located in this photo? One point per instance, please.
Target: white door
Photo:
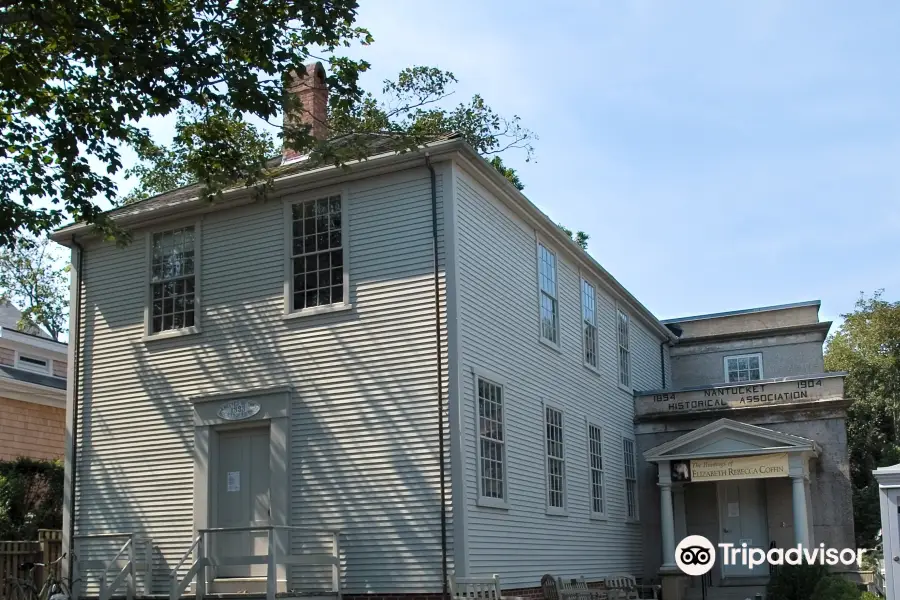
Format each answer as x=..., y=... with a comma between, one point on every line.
x=242, y=498
x=742, y=516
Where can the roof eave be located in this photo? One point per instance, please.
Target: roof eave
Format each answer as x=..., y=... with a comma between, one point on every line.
x=237, y=196
x=553, y=231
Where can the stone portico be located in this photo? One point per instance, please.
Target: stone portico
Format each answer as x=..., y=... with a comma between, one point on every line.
x=762, y=463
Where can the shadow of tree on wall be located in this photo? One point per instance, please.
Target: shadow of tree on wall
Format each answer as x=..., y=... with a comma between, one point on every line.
x=369, y=469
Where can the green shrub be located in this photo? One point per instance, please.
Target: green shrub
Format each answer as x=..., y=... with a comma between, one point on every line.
x=31, y=497
x=835, y=587
x=870, y=596
x=795, y=582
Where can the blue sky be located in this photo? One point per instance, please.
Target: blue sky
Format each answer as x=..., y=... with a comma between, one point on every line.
x=721, y=155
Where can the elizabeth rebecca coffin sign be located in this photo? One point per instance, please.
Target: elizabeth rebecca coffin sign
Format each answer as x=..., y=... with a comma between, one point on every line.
x=739, y=467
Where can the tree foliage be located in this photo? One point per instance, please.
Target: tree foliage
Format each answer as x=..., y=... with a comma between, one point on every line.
x=795, y=582
x=579, y=237
x=507, y=172
x=867, y=346
x=76, y=76
x=34, y=278
x=210, y=147
x=31, y=496
x=409, y=112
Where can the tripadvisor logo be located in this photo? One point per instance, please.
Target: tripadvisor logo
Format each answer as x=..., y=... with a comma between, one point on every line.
x=695, y=555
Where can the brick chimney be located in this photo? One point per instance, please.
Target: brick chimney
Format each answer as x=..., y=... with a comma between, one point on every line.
x=312, y=93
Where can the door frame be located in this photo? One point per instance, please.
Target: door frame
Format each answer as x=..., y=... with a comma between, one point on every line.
x=719, y=512
x=274, y=411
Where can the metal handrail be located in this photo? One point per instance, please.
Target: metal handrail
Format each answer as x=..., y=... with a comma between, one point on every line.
x=266, y=528
x=82, y=536
x=127, y=572
x=185, y=556
x=198, y=568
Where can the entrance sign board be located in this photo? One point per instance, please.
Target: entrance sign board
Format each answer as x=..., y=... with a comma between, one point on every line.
x=236, y=410
x=745, y=395
x=740, y=467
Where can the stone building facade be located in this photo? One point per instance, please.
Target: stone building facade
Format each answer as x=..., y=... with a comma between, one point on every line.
x=747, y=446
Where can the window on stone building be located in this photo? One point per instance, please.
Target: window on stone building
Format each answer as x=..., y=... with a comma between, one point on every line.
x=746, y=367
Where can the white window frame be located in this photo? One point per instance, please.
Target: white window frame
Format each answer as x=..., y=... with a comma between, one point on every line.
x=494, y=379
x=627, y=348
x=555, y=510
x=540, y=296
x=148, y=282
x=589, y=423
x=626, y=479
x=596, y=368
x=33, y=368
x=345, y=304
x=739, y=356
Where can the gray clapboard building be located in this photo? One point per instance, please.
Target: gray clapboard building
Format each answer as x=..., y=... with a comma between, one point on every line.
x=378, y=375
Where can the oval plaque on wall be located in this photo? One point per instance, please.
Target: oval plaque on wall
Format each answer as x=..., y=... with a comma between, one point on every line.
x=236, y=410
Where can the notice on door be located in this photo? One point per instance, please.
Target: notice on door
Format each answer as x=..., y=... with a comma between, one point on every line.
x=234, y=481
x=740, y=467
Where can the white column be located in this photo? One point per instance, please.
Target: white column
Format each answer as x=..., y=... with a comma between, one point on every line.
x=667, y=517
x=680, y=511
x=801, y=523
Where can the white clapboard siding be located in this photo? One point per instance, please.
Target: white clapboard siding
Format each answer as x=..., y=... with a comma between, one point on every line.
x=499, y=333
x=364, y=453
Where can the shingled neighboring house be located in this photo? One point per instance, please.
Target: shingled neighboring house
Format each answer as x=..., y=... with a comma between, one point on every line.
x=32, y=390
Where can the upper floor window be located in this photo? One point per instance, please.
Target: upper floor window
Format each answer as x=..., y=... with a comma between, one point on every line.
x=746, y=367
x=631, y=502
x=491, y=443
x=589, y=323
x=595, y=463
x=318, y=269
x=624, y=349
x=556, y=459
x=172, y=280
x=33, y=363
x=549, y=303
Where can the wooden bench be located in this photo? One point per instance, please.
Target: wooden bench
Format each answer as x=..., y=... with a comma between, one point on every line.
x=474, y=588
x=625, y=587
x=557, y=588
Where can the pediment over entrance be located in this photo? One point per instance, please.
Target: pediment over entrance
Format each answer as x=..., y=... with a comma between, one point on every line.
x=726, y=437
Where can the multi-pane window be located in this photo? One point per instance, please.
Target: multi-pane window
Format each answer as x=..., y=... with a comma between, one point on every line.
x=172, y=280
x=589, y=323
x=317, y=253
x=556, y=460
x=624, y=350
x=595, y=458
x=549, y=304
x=747, y=367
x=630, y=479
x=491, y=441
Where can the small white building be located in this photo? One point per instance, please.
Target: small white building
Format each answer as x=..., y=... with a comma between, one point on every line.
x=889, y=497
